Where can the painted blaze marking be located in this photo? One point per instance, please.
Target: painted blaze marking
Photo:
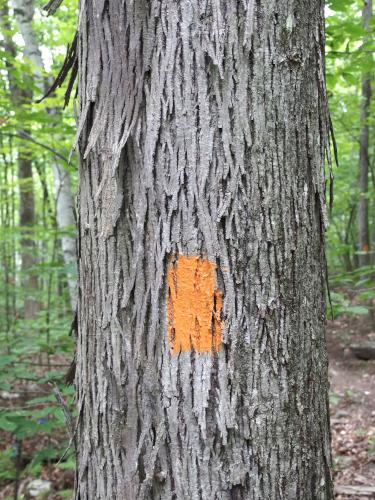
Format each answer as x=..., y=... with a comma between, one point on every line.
x=194, y=306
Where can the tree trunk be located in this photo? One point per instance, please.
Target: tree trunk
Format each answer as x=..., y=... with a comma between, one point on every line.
x=65, y=220
x=26, y=186
x=24, y=10
x=201, y=356
x=363, y=229
x=27, y=223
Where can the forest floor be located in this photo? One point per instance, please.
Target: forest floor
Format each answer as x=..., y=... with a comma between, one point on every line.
x=352, y=401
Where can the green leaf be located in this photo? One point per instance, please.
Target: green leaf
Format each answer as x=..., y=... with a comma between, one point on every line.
x=356, y=310
x=66, y=493
x=7, y=425
x=339, y=5
x=68, y=464
x=350, y=78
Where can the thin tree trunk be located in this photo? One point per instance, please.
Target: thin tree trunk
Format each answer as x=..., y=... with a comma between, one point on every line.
x=26, y=187
x=24, y=10
x=372, y=170
x=6, y=257
x=363, y=229
x=65, y=220
x=201, y=356
x=27, y=222
x=348, y=246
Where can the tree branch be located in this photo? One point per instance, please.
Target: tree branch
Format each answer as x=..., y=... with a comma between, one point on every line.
x=27, y=137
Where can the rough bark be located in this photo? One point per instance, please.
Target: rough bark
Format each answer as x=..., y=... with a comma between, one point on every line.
x=363, y=218
x=203, y=132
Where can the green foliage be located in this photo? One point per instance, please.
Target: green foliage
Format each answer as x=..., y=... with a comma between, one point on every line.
x=27, y=422
x=352, y=292
x=371, y=449
x=35, y=352
x=66, y=494
x=334, y=399
x=349, y=56
x=68, y=464
x=341, y=305
x=8, y=470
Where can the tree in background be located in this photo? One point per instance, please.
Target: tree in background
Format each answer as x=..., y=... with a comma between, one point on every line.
x=34, y=350
x=350, y=48
x=20, y=96
x=202, y=366
x=24, y=14
x=364, y=168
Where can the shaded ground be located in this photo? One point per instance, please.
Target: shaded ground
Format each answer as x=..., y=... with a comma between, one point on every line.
x=352, y=397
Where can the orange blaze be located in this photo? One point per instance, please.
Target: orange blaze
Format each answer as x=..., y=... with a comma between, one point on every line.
x=365, y=248
x=194, y=306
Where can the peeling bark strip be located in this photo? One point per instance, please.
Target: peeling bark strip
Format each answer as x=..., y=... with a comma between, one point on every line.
x=203, y=129
x=194, y=306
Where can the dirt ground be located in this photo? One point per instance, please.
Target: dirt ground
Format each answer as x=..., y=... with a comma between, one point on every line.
x=352, y=398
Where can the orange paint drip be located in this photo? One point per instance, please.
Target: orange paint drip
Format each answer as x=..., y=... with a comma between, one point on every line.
x=194, y=306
